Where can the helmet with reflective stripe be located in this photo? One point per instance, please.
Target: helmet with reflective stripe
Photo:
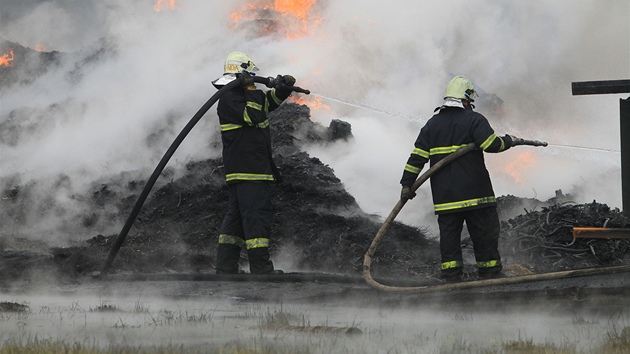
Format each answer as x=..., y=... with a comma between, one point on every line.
x=461, y=88
x=238, y=62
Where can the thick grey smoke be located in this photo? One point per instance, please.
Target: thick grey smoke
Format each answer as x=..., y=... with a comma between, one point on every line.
x=135, y=76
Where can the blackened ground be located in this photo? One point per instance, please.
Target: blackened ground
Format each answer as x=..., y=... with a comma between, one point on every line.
x=316, y=222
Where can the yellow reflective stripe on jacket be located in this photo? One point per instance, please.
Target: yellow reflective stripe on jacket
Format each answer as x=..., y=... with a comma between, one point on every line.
x=231, y=240
x=488, y=264
x=411, y=168
x=252, y=105
x=275, y=98
x=230, y=126
x=264, y=124
x=257, y=243
x=421, y=153
x=489, y=142
x=451, y=264
x=445, y=149
x=248, y=177
x=502, y=144
x=464, y=203
x=258, y=107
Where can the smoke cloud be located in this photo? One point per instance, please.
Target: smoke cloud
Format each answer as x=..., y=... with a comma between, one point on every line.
x=131, y=77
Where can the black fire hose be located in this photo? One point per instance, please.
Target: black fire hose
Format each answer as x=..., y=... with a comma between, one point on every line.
x=169, y=153
x=367, y=261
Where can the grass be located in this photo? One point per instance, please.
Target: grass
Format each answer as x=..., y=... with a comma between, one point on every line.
x=256, y=329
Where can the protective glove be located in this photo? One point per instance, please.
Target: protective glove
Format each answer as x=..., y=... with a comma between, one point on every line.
x=407, y=193
x=270, y=82
x=281, y=80
x=288, y=80
x=247, y=80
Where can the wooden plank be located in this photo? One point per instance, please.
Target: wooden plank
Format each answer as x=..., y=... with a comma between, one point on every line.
x=600, y=232
x=600, y=87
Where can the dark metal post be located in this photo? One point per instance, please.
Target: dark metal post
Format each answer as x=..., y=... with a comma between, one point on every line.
x=606, y=87
x=624, y=113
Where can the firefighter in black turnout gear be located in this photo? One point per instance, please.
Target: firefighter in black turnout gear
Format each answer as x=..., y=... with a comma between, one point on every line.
x=249, y=167
x=461, y=190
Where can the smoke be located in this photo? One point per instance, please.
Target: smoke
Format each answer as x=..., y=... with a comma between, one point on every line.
x=132, y=77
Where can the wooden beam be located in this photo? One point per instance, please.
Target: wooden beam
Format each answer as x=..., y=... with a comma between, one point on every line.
x=600, y=87
x=600, y=232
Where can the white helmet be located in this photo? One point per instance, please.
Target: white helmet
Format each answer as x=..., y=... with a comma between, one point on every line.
x=461, y=88
x=238, y=62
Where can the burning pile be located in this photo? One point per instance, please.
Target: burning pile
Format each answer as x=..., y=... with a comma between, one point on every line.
x=287, y=18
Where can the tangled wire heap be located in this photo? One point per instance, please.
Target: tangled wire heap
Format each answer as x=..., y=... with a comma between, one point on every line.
x=544, y=239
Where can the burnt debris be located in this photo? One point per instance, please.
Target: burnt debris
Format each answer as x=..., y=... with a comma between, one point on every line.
x=543, y=240
x=317, y=224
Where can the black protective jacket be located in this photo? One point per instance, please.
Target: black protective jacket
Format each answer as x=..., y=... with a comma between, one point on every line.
x=245, y=133
x=464, y=183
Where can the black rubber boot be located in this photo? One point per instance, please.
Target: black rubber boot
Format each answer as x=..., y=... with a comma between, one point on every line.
x=259, y=262
x=227, y=259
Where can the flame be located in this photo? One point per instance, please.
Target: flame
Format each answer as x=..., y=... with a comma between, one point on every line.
x=41, y=48
x=162, y=4
x=7, y=58
x=314, y=103
x=293, y=18
x=522, y=162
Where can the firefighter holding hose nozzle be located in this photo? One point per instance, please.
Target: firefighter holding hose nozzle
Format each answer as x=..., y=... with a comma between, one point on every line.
x=248, y=163
x=461, y=190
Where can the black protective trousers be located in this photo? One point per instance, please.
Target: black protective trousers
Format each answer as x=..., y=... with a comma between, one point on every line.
x=247, y=223
x=484, y=228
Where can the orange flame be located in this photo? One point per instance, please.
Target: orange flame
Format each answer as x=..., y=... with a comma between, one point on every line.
x=294, y=18
x=41, y=48
x=162, y=4
x=7, y=58
x=523, y=161
x=314, y=103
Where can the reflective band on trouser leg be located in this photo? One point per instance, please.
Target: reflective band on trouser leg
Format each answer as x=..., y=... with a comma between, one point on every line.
x=489, y=264
x=230, y=126
x=257, y=243
x=249, y=177
x=231, y=240
x=451, y=264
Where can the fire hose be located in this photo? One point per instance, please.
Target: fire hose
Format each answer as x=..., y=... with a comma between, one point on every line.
x=367, y=262
x=169, y=153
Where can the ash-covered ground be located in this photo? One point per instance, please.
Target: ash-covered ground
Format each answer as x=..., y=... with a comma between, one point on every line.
x=317, y=227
